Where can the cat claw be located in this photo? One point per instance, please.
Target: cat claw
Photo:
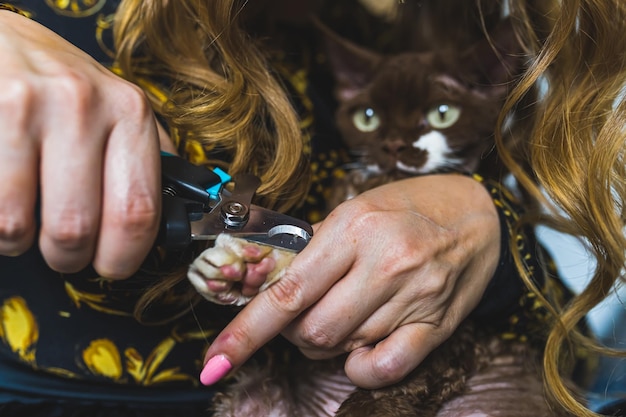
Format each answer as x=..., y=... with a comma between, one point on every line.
x=218, y=272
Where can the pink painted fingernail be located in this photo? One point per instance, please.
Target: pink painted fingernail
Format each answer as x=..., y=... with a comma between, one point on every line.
x=215, y=369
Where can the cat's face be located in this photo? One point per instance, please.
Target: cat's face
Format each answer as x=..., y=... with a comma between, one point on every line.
x=420, y=112
x=412, y=117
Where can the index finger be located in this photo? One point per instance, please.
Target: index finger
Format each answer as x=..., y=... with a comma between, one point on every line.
x=273, y=309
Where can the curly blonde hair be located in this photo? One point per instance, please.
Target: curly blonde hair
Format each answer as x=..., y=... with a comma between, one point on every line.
x=223, y=93
x=562, y=132
x=570, y=143
x=575, y=148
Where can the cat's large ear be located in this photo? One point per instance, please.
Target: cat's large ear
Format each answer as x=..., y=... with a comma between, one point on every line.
x=496, y=61
x=352, y=65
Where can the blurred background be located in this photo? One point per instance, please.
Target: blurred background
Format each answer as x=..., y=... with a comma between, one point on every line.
x=608, y=321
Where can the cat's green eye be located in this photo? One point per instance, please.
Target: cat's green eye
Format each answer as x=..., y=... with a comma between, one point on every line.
x=443, y=116
x=365, y=119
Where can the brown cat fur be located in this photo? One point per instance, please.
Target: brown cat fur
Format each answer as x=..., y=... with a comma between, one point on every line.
x=473, y=373
x=404, y=92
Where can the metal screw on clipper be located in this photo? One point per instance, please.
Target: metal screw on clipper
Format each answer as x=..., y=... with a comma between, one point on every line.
x=234, y=214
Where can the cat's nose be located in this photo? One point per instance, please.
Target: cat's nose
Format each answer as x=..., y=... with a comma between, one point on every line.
x=394, y=146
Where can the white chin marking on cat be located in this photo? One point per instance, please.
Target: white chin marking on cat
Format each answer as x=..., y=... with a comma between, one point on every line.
x=436, y=146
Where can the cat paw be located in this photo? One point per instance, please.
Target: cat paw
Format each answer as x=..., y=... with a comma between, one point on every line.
x=234, y=270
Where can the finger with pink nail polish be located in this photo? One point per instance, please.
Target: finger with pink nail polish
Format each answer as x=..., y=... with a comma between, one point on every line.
x=215, y=369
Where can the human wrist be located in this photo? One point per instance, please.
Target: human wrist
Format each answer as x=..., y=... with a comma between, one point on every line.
x=506, y=286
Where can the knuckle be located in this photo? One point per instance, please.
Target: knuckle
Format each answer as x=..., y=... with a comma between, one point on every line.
x=287, y=295
x=14, y=226
x=76, y=88
x=137, y=214
x=361, y=214
x=238, y=338
x=72, y=230
x=133, y=100
x=16, y=98
x=16, y=93
x=317, y=336
x=436, y=287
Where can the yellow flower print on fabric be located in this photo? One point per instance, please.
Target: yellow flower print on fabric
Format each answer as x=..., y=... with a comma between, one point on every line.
x=95, y=301
x=196, y=153
x=18, y=328
x=103, y=358
x=104, y=23
x=146, y=372
x=76, y=8
x=14, y=9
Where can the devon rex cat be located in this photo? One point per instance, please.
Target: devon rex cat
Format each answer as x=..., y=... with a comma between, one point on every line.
x=403, y=115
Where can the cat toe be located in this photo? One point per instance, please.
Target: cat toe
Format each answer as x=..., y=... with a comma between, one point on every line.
x=234, y=270
x=213, y=273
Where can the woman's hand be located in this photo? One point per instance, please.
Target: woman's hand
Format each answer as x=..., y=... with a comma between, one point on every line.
x=387, y=277
x=83, y=144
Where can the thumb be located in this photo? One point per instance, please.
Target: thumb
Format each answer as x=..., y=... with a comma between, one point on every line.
x=391, y=359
